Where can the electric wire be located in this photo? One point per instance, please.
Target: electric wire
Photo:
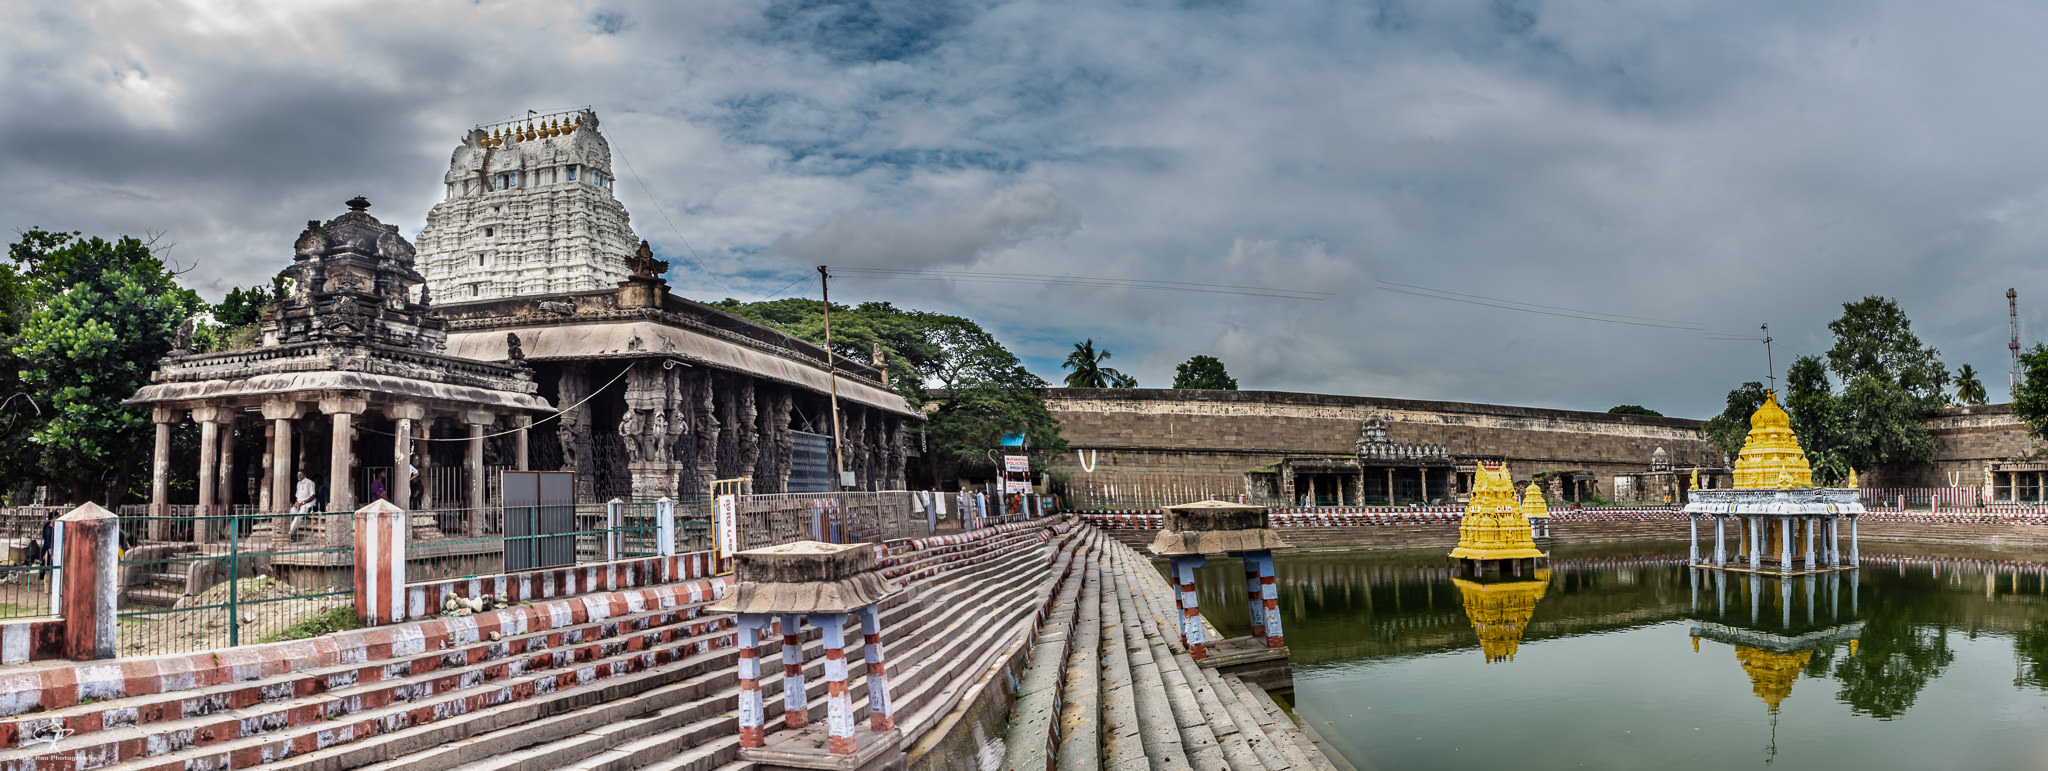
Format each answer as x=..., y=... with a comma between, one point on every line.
x=688, y=250
x=1084, y=281
x=558, y=414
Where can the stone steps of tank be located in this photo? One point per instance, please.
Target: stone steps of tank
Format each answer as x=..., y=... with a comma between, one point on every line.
x=690, y=724
x=1133, y=699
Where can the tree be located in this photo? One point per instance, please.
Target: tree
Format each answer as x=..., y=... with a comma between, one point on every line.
x=1817, y=419
x=1203, y=372
x=1728, y=430
x=2030, y=402
x=1088, y=371
x=108, y=312
x=987, y=392
x=241, y=307
x=1969, y=388
x=1873, y=337
x=1633, y=409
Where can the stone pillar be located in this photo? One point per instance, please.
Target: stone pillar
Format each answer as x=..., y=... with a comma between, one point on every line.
x=1694, y=521
x=380, y=533
x=1756, y=544
x=1190, y=605
x=796, y=704
x=1834, y=541
x=881, y=713
x=280, y=413
x=400, y=486
x=1255, y=597
x=752, y=732
x=160, y=481
x=665, y=527
x=1811, y=527
x=208, y=418
x=1269, y=595
x=224, y=496
x=90, y=539
x=473, y=458
x=1855, y=556
x=1785, y=548
x=264, y=489
x=613, y=520
x=520, y=459
x=838, y=701
x=341, y=487
x=1423, y=473
x=1720, y=542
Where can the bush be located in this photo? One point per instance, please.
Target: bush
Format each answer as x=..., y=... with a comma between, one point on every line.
x=334, y=620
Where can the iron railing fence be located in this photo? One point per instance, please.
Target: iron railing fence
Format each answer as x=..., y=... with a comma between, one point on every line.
x=25, y=590
x=466, y=543
x=191, y=583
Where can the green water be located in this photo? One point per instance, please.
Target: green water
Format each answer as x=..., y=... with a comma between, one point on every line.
x=1949, y=669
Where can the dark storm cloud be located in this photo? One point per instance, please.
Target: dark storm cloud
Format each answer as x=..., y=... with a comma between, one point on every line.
x=1720, y=164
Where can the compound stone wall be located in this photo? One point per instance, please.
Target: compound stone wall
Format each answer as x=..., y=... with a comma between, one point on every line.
x=1189, y=444
x=1967, y=440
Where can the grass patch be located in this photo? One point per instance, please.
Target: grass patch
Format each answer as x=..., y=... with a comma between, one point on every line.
x=334, y=620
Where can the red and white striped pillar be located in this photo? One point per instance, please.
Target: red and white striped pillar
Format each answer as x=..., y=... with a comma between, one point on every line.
x=881, y=714
x=796, y=703
x=380, y=563
x=1255, y=599
x=838, y=702
x=748, y=625
x=1190, y=605
x=1269, y=595
x=90, y=538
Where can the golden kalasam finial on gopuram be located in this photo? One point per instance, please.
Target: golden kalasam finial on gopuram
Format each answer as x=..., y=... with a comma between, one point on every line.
x=1771, y=456
x=491, y=140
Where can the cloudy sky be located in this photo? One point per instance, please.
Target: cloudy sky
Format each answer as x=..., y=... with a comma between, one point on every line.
x=1693, y=168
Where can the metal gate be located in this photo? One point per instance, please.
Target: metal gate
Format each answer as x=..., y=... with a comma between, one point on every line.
x=540, y=519
x=810, y=463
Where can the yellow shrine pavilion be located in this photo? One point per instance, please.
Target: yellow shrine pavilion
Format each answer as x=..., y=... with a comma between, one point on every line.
x=1494, y=534
x=1536, y=510
x=1774, y=503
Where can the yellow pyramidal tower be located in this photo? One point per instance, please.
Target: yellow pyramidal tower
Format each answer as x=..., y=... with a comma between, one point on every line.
x=1493, y=527
x=1771, y=457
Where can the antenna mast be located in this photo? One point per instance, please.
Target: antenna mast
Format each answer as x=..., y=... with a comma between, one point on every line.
x=2012, y=315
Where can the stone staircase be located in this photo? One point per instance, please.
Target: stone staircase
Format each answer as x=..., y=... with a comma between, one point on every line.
x=1110, y=684
x=646, y=681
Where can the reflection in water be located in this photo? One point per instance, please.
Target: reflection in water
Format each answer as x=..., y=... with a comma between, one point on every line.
x=1624, y=656
x=1500, y=611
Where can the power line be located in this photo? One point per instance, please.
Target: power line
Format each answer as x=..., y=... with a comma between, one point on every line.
x=1085, y=281
x=1397, y=290
x=688, y=250
x=1532, y=305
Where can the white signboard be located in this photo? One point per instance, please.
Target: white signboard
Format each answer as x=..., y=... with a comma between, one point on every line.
x=728, y=525
x=1016, y=464
x=1018, y=486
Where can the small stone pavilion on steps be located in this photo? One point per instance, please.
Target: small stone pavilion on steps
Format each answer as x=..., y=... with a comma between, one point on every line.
x=1192, y=532
x=350, y=372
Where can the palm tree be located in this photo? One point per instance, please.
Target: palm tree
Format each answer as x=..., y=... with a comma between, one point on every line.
x=1969, y=390
x=1088, y=371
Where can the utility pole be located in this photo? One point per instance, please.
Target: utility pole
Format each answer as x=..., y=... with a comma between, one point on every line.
x=832, y=378
x=1770, y=367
